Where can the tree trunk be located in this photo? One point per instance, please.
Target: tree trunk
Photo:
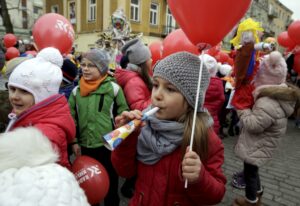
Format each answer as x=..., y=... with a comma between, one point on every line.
x=5, y=17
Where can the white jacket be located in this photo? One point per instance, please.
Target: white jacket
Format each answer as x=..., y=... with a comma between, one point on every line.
x=29, y=175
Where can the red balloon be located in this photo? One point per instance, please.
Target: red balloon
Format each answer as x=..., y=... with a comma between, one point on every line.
x=222, y=57
x=177, y=41
x=297, y=63
x=213, y=51
x=9, y=40
x=285, y=41
x=205, y=22
x=294, y=31
x=92, y=178
x=230, y=61
x=53, y=30
x=156, y=49
x=11, y=53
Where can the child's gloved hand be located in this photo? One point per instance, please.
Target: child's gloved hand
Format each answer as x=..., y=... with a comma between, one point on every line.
x=127, y=116
x=191, y=166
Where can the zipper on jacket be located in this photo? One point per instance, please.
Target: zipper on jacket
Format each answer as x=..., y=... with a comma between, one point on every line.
x=101, y=103
x=13, y=118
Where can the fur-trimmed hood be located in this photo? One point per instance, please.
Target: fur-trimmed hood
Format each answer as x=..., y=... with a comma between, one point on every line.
x=283, y=92
x=25, y=147
x=29, y=174
x=286, y=94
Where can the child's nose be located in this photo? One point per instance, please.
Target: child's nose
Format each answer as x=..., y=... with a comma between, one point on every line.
x=14, y=95
x=158, y=95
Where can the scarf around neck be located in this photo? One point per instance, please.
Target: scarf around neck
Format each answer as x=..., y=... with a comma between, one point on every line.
x=157, y=139
x=86, y=87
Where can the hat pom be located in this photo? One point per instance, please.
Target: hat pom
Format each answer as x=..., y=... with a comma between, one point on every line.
x=275, y=58
x=52, y=55
x=225, y=69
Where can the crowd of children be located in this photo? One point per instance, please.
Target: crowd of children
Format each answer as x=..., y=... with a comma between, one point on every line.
x=67, y=108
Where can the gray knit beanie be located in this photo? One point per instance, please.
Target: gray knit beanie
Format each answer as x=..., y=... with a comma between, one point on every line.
x=136, y=51
x=100, y=58
x=182, y=70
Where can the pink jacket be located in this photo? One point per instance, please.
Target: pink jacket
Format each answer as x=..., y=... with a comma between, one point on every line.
x=136, y=91
x=52, y=116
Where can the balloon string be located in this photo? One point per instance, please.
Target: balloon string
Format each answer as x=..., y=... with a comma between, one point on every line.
x=196, y=107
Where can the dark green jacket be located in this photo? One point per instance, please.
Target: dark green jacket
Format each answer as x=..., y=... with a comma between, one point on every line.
x=94, y=114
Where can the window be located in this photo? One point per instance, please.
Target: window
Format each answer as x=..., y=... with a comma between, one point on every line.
x=92, y=10
x=54, y=9
x=153, y=13
x=72, y=12
x=36, y=9
x=134, y=10
x=170, y=22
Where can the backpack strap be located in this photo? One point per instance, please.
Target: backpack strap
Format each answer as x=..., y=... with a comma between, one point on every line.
x=114, y=107
x=74, y=91
x=116, y=88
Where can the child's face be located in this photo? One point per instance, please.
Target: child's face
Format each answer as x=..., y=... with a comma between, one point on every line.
x=168, y=98
x=20, y=99
x=90, y=71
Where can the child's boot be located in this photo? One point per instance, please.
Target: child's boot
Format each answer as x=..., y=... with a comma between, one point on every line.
x=242, y=201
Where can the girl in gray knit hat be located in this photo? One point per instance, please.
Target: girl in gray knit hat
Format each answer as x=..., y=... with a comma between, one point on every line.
x=137, y=85
x=160, y=154
x=135, y=79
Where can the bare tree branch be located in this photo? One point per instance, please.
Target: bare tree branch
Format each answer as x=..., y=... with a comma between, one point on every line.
x=5, y=16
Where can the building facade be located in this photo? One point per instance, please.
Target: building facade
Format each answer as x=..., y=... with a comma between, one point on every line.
x=151, y=17
x=23, y=14
x=273, y=15
x=90, y=17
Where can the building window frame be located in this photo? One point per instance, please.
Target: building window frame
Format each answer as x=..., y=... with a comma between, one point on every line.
x=92, y=9
x=170, y=21
x=54, y=9
x=135, y=10
x=154, y=14
x=72, y=12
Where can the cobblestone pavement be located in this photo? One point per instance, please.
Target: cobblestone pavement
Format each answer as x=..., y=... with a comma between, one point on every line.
x=280, y=177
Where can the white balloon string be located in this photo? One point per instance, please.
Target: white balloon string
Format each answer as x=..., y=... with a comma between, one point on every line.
x=201, y=57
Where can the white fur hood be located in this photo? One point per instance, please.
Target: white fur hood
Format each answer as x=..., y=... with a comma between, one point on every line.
x=29, y=174
x=25, y=147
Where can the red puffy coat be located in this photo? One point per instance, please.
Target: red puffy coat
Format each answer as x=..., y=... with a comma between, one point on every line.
x=52, y=116
x=136, y=91
x=214, y=100
x=161, y=184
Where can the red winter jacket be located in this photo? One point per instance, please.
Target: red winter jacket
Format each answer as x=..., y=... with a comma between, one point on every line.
x=214, y=100
x=136, y=91
x=161, y=184
x=52, y=116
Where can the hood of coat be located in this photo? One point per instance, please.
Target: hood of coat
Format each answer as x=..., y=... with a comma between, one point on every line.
x=286, y=95
x=124, y=75
x=25, y=147
x=52, y=111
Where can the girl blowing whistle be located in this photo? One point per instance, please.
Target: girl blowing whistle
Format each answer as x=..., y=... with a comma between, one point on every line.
x=159, y=154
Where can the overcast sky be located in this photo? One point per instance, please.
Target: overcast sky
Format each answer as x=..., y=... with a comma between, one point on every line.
x=293, y=5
